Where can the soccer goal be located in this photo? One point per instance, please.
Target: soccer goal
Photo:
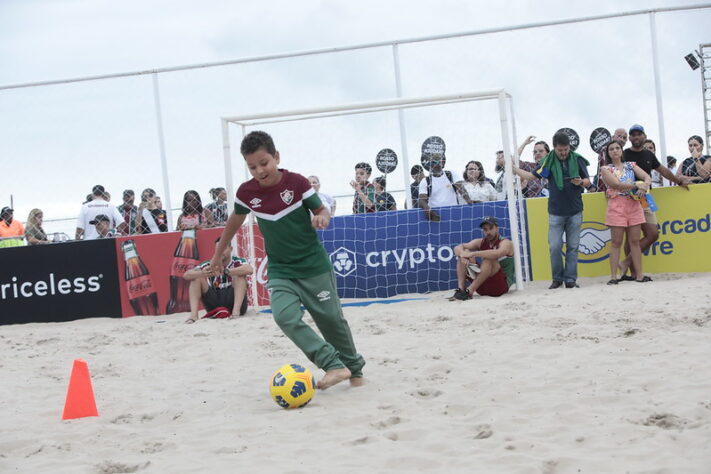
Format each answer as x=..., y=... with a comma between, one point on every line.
x=395, y=252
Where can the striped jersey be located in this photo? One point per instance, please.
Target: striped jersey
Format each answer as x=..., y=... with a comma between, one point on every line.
x=282, y=212
x=223, y=281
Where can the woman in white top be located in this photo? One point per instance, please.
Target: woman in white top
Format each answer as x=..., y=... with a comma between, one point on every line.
x=474, y=186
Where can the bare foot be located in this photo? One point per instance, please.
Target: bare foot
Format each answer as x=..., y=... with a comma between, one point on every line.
x=357, y=381
x=332, y=377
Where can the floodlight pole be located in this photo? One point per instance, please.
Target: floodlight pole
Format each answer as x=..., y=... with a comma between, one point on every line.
x=401, y=121
x=510, y=194
x=161, y=146
x=658, y=88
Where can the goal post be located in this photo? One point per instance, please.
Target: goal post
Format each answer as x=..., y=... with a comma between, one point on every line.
x=513, y=203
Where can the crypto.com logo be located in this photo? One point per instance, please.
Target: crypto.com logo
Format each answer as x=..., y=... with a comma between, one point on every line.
x=594, y=242
x=344, y=261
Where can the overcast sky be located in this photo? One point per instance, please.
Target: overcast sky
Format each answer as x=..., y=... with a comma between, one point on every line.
x=56, y=142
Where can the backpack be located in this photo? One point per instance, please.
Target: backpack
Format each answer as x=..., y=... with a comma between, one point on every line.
x=429, y=181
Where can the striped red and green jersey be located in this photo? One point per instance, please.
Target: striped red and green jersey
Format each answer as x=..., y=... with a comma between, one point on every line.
x=282, y=212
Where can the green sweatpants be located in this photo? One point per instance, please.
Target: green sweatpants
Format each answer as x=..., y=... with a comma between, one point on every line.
x=318, y=294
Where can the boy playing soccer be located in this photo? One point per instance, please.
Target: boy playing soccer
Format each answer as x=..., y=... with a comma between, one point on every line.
x=299, y=270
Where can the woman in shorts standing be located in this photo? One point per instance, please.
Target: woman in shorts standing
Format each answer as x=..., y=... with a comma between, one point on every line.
x=624, y=210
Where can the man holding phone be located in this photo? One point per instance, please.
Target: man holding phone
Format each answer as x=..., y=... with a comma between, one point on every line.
x=568, y=177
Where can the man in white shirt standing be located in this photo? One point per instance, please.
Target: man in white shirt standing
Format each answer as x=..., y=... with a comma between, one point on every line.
x=437, y=189
x=97, y=206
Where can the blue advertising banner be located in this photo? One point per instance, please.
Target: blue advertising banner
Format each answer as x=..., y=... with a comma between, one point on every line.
x=384, y=254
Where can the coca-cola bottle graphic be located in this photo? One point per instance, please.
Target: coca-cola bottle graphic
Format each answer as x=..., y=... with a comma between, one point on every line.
x=186, y=257
x=141, y=293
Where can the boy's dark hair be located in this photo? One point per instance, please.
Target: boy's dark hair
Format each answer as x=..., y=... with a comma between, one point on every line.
x=380, y=180
x=561, y=138
x=671, y=161
x=417, y=169
x=364, y=166
x=253, y=141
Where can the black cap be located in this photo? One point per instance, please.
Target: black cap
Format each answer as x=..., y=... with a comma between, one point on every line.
x=489, y=220
x=99, y=218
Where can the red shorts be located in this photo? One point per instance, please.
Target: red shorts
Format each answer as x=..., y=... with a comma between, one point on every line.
x=495, y=285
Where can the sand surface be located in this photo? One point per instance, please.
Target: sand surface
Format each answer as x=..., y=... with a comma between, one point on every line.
x=594, y=380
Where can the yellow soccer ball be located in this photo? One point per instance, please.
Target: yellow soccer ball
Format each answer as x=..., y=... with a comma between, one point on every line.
x=292, y=386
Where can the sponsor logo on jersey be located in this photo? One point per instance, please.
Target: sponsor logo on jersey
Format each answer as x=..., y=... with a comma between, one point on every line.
x=256, y=202
x=324, y=296
x=287, y=196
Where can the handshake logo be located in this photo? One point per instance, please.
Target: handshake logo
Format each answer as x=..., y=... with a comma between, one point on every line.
x=344, y=261
x=594, y=242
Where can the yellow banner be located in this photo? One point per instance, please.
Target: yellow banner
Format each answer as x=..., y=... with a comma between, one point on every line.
x=684, y=219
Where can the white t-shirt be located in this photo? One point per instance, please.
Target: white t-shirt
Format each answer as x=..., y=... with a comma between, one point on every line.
x=327, y=201
x=443, y=193
x=480, y=192
x=92, y=209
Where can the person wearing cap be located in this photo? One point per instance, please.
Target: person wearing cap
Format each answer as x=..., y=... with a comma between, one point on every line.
x=417, y=173
x=646, y=160
x=12, y=232
x=493, y=274
x=129, y=211
x=90, y=210
x=567, y=175
x=102, y=224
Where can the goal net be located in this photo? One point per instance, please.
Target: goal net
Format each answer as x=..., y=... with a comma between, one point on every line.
x=386, y=253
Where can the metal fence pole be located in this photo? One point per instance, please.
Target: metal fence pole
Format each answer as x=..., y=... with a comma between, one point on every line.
x=163, y=158
x=658, y=88
x=401, y=121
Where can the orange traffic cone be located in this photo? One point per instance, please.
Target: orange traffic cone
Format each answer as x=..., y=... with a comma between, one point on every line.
x=80, y=396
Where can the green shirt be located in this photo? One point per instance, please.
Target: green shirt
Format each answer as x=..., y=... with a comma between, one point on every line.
x=291, y=243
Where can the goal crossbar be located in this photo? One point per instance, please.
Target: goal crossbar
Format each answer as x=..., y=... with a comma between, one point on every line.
x=508, y=137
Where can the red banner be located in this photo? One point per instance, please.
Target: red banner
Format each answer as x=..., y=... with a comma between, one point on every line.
x=150, y=268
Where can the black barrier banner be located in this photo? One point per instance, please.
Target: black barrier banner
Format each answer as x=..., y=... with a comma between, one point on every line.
x=59, y=282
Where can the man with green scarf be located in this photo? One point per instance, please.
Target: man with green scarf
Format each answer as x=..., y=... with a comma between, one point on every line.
x=568, y=177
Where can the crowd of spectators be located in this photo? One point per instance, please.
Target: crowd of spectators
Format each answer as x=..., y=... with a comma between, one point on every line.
x=436, y=187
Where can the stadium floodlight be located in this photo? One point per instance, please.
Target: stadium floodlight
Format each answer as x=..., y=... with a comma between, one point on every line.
x=513, y=206
x=692, y=61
